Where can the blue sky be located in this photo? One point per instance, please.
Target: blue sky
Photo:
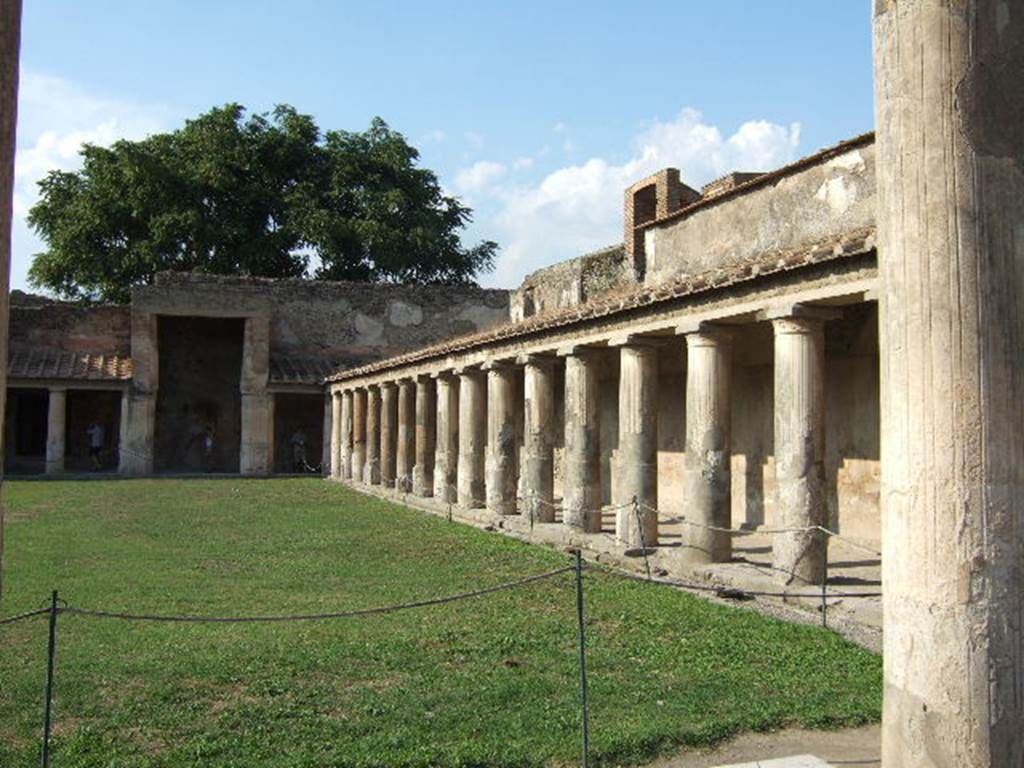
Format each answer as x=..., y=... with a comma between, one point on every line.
x=536, y=114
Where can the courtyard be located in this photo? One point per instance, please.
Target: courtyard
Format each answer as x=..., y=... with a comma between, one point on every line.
x=489, y=681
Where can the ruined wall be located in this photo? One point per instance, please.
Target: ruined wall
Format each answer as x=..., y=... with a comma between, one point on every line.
x=37, y=321
x=570, y=283
x=346, y=322
x=820, y=200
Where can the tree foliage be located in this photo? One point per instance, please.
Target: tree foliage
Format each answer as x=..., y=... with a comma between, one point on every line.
x=261, y=195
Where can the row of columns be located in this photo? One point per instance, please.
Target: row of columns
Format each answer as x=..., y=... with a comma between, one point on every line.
x=453, y=435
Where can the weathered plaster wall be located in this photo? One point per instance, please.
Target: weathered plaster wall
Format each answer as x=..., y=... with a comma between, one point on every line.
x=346, y=322
x=811, y=205
x=570, y=283
x=40, y=322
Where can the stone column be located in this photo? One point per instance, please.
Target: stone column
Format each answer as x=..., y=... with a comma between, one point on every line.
x=706, y=476
x=801, y=499
x=405, y=454
x=501, y=438
x=344, y=472
x=539, y=437
x=56, y=430
x=359, y=432
x=426, y=411
x=582, y=482
x=256, y=455
x=371, y=468
x=137, y=448
x=122, y=433
x=336, y=431
x=472, y=438
x=637, y=463
x=446, y=456
x=951, y=260
x=388, y=433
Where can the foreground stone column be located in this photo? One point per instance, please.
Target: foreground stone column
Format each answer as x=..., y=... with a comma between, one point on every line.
x=388, y=433
x=446, y=454
x=358, y=433
x=706, y=475
x=423, y=471
x=345, y=454
x=581, y=498
x=801, y=501
x=539, y=437
x=637, y=464
x=472, y=438
x=501, y=438
x=951, y=257
x=336, y=417
x=56, y=431
x=405, y=453
x=371, y=468
x=256, y=453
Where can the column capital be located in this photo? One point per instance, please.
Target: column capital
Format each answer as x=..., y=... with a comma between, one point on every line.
x=388, y=385
x=536, y=358
x=499, y=364
x=577, y=350
x=705, y=332
x=635, y=340
x=796, y=311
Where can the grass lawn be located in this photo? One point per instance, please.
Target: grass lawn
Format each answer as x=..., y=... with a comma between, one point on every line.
x=490, y=681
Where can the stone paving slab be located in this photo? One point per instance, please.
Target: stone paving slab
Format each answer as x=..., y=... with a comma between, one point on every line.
x=797, y=761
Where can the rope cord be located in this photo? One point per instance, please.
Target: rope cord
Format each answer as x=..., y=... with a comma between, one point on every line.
x=23, y=616
x=316, y=616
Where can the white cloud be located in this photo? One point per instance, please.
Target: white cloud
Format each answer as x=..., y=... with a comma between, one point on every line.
x=578, y=208
x=436, y=136
x=55, y=118
x=522, y=163
x=478, y=176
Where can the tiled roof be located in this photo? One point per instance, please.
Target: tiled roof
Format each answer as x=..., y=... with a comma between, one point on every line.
x=853, y=243
x=301, y=370
x=44, y=363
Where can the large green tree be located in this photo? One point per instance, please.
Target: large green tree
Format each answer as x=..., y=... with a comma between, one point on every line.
x=250, y=194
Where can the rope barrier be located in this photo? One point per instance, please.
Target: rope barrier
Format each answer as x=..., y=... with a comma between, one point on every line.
x=23, y=616
x=99, y=614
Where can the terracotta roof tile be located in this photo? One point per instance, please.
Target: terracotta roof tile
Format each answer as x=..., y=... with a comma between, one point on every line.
x=300, y=370
x=852, y=243
x=48, y=363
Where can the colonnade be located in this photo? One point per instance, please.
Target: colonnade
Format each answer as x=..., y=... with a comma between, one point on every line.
x=455, y=434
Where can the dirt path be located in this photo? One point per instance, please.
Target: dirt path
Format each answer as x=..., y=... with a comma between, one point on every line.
x=853, y=748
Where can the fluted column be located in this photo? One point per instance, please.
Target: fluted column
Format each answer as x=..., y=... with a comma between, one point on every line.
x=472, y=438
x=56, y=430
x=801, y=501
x=582, y=482
x=336, y=418
x=950, y=147
x=446, y=454
x=345, y=453
x=637, y=464
x=501, y=438
x=405, y=452
x=539, y=437
x=388, y=433
x=706, y=474
x=371, y=469
x=359, y=410
x=426, y=412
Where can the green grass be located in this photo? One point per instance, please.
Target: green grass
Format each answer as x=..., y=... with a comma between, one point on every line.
x=485, y=682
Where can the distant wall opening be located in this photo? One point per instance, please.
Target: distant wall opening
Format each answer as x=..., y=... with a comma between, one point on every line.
x=200, y=364
x=298, y=432
x=85, y=408
x=26, y=431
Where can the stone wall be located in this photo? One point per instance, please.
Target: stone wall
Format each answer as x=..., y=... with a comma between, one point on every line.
x=569, y=283
x=817, y=199
x=347, y=322
x=37, y=321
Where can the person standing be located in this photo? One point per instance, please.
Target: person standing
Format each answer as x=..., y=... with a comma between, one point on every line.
x=96, y=436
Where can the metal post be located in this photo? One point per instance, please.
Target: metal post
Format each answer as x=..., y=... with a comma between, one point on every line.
x=50, y=660
x=583, y=658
